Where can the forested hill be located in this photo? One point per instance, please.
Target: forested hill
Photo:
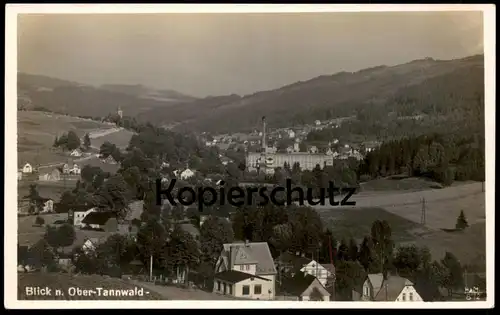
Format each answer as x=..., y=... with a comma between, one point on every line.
x=45, y=93
x=443, y=89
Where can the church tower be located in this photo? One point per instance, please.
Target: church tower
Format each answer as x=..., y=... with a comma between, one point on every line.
x=120, y=112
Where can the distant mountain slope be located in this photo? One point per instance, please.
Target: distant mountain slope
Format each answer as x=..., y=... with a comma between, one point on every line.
x=341, y=94
x=146, y=92
x=61, y=96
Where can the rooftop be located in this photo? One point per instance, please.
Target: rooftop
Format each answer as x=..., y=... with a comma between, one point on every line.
x=258, y=252
x=234, y=276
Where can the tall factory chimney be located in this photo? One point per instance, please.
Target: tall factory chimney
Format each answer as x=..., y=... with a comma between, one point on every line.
x=264, y=145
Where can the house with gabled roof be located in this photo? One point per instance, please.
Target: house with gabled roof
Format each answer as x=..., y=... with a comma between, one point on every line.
x=303, y=287
x=292, y=264
x=389, y=288
x=246, y=270
x=27, y=168
x=102, y=220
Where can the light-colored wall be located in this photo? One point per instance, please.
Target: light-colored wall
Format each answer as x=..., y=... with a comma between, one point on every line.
x=306, y=161
x=404, y=296
x=88, y=246
x=78, y=216
x=248, y=268
x=367, y=290
x=264, y=293
x=318, y=271
x=48, y=206
x=27, y=169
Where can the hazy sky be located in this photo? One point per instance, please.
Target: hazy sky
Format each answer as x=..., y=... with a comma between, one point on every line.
x=214, y=54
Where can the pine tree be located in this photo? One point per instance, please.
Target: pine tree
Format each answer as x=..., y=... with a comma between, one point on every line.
x=86, y=141
x=461, y=221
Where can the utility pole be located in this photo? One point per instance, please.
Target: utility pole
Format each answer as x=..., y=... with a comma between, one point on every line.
x=151, y=262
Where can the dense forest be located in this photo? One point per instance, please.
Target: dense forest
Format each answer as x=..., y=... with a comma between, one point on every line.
x=442, y=158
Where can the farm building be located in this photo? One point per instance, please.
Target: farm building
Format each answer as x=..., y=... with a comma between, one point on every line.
x=77, y=215
x=76, y=153
x=101, y=220
x=27, y=168
x=48, y=205
x=71, y=170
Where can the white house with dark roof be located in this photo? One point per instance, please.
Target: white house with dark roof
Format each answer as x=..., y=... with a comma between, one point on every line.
x=392, y=288
x=292, y=265
x=246, y=270
x=27, y=168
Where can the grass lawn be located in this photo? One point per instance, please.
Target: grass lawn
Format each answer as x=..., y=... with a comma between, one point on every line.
x=120, y=138
x=62, y=282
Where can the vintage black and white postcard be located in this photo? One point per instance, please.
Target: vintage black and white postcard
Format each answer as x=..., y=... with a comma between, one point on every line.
x=249, y=156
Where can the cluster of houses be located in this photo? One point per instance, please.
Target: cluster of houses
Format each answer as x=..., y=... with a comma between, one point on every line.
x=257, y=141
x=247, y=270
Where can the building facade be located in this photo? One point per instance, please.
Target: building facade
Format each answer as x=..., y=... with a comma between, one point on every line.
x=267, y=160
x=246, y=270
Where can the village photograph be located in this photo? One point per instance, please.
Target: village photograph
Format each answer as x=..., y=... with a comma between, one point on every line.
x=388, y=105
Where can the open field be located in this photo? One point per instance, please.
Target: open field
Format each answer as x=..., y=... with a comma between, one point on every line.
x=63, y=282
x=394, y=184
x=37, y=131
x=28, y=234
x=119, y=137
x=46, y=189
x=403, y=212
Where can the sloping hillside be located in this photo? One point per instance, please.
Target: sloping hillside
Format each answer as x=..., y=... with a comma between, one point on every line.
x=60, y=96
x=146, y=92
x=341, y=94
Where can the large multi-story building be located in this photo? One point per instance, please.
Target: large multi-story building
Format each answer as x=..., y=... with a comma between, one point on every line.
x=267, y=160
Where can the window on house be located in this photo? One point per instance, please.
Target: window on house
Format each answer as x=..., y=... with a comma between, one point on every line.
x=230, y=289
x=241, y=267
x=257, y=289
x=225, y=286
x=247, y=267
x=404, y=296
x=246, y=290
x=411, y=296
x=218, y=285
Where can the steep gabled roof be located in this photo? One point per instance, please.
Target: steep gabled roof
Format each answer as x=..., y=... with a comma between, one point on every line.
x=258, y=251
x=299, y=283
x=295, y=261
x=388, y=289
x=98, y=217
